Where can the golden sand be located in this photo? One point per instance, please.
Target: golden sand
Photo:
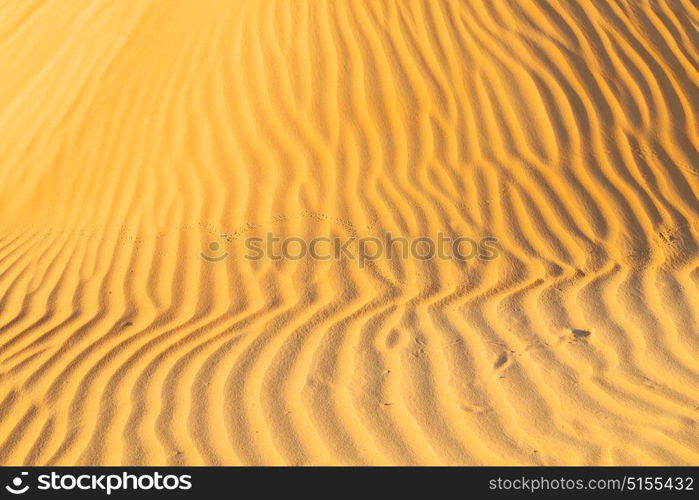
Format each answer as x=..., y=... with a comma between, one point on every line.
x=134, y=133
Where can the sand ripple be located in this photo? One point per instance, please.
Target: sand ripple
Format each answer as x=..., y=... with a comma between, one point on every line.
x=136, y=132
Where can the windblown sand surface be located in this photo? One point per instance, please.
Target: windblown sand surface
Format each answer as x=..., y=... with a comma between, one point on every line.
x=134, y=133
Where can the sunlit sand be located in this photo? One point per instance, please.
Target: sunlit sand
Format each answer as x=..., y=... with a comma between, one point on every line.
x=143, y=143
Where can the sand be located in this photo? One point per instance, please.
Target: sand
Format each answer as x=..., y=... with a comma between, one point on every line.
x=142, y=140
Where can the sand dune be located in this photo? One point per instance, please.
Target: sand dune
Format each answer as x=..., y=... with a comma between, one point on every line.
x=137, y=136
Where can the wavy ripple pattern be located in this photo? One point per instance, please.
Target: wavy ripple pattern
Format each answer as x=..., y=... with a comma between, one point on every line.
x=136, y=132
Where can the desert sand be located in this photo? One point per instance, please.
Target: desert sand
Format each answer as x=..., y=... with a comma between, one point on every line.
x=142, y=142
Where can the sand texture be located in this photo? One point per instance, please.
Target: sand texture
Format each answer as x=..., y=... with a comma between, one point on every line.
x=144, y=142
